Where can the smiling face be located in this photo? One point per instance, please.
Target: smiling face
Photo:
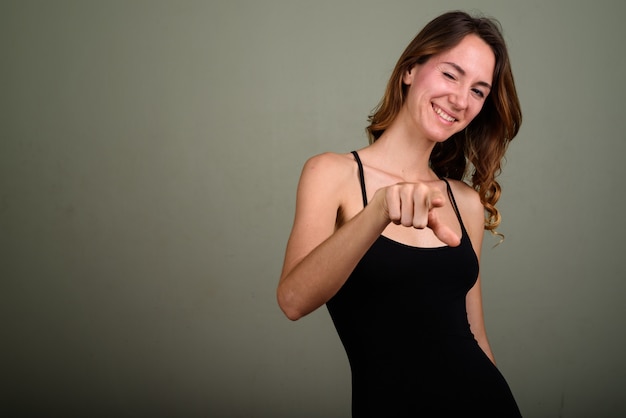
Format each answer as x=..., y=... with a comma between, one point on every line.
x=447, y=91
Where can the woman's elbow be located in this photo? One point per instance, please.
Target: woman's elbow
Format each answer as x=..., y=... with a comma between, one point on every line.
x=287, y=305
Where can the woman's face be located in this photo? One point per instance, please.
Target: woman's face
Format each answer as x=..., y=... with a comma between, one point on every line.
x=449, y=90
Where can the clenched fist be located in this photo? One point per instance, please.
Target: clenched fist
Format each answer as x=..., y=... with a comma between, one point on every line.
x=412, y=204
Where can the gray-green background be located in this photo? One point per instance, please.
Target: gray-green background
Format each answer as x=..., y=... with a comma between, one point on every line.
x=149, y=156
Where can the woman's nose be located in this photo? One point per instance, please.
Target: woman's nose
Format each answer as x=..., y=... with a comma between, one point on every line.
x=459, y=99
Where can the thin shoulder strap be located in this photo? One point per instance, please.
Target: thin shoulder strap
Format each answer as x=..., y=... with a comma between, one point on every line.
x=361, y=177
x=454, y=205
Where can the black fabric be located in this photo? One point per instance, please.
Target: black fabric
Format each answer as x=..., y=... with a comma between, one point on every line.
x=402, y=319
x=361, y=177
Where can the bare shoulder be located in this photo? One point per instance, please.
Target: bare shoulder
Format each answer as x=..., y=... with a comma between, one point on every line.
x=466, y=197
x=471, y=209
x=327, y=172
x=320, y=197
x=329, y=163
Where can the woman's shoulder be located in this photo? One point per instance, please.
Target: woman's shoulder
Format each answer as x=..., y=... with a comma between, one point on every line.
x=465, y=194
x=327, y=172
x=325, y=186
x=330, y=160
x=469, y=204
x=329, y=166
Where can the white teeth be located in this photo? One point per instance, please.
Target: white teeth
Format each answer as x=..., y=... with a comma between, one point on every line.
x=444, y=114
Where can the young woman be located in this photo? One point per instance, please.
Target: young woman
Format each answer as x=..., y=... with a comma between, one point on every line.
x=389, y=237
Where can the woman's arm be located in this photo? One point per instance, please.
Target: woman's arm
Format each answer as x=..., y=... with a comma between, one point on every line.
x=476, y=319
x=318, y=258
x=321, y=255
x=473, y=213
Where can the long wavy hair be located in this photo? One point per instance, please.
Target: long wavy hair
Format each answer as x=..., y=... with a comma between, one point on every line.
x=475, y=154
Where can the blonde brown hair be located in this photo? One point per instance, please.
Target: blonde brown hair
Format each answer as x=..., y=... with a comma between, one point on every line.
x=476, y=153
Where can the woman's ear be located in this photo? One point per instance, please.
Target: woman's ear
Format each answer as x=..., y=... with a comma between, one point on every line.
x=407, y=77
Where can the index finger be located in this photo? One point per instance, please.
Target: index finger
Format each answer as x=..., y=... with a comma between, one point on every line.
x=442, y=231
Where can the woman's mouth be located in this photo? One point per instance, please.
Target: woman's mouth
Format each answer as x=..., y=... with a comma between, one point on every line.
x=445, y=116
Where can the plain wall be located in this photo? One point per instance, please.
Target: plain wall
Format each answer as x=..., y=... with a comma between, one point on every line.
x=149, y=156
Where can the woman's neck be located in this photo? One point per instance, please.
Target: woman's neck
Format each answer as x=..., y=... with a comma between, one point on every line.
x=403, y=155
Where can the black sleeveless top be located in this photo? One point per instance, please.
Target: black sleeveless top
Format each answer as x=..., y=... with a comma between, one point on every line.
x=401, y=317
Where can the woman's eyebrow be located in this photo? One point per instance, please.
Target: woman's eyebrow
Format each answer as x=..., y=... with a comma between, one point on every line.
x=462, y=72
